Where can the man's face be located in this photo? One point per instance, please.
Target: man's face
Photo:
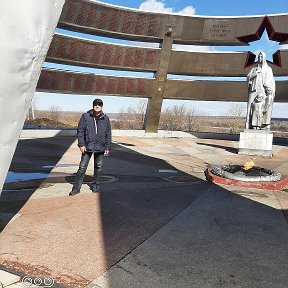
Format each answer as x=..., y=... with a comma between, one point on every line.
x=97, y=107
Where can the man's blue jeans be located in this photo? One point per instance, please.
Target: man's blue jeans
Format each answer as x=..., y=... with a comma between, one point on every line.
x=85, y=158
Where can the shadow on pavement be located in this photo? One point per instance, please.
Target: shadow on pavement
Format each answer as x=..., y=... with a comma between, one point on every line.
x=31, y=156
x=141, y=201
x=229, y=149
x=218, y=240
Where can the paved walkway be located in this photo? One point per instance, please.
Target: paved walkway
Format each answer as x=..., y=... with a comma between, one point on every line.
x=157, y=222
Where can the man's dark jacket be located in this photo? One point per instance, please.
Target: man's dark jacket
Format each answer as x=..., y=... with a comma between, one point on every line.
x=86, y=132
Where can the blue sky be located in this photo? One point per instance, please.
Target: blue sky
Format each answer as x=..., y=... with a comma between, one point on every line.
x=192, y=7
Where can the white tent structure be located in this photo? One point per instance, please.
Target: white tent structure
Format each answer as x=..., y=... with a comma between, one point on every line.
x=27, y=28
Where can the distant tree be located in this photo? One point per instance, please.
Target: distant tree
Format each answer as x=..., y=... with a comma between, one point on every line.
x=236, y=110
x=132, y=117
x=54, y=112
x=234, y=117
x=141, y=111
x=193, y=120
x=181, y=118
x=173, y=118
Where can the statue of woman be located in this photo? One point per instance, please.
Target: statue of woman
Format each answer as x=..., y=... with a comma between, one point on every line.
x=261, y=92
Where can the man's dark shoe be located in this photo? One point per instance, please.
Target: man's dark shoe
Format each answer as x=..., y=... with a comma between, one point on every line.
x=95, y=188
x=74, y=192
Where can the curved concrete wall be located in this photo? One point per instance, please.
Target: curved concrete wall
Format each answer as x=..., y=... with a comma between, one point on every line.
x=58, y=81
x=81, y=52
x=108, y=20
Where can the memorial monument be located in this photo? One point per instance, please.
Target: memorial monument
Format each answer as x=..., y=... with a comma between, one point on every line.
x=257, y=138
x=29, y=43
x=261, y=92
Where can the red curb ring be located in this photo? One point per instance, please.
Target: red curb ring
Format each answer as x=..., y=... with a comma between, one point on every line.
x=259, y=185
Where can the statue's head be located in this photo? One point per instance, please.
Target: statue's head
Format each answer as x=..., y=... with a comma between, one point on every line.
x=262, y=58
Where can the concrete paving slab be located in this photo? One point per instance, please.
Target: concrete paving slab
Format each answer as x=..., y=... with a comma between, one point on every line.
x=174, y=233
x=220, y=240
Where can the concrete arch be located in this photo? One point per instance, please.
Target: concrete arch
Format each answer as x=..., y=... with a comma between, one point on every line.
x=131, y=24
x=68, y=82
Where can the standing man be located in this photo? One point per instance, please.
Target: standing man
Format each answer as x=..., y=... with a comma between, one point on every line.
x=94, y=137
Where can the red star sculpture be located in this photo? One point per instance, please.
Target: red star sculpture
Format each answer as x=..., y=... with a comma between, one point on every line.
x=272, y=34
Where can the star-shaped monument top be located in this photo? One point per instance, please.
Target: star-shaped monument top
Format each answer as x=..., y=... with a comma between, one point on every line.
x=272, y=34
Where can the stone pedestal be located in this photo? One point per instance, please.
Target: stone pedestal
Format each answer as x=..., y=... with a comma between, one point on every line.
x=256, y=143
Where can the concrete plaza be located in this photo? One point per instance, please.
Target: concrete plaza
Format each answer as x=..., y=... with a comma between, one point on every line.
x=156, y=223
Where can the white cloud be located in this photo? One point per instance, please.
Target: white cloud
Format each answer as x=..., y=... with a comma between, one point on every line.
x=155, y=6
x=189, y=10
x=160, y=6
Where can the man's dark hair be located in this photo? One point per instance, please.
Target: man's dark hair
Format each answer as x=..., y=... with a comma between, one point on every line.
x=97, y=101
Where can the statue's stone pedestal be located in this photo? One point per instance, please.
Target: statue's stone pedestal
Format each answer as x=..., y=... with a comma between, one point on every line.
x=256, y=143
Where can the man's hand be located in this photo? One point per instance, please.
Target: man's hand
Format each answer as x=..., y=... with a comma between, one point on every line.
x=83, y=149
x=106, y=152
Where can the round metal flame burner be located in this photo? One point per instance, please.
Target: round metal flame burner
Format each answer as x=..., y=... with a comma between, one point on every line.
x=238, y=172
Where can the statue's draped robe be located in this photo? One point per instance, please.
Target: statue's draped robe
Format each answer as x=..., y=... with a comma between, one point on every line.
x=261, y=90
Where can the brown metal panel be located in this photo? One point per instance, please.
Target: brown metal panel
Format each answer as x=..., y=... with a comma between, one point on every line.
x=89, y=85
x=217, y=64
x=97, y=54
x=112, y=87
x=191, y=26
x=152, y=58
x=281, y=91
x=283, y=70
x=107, y=55
x=118, y=58
x=66, y=84
x=103, y=19
x=80, y=52
x=69, y=12
x=127, y=27
x=279, y=22
x=60, y=81
x=113, y=25
x=122, y=86
x=141, y=24
x=207, y=64
x=217, y=90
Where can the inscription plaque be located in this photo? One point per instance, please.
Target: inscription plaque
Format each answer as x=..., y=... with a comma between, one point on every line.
x=218, y=30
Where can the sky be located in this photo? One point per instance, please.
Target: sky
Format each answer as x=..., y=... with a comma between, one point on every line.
x=44, y=101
